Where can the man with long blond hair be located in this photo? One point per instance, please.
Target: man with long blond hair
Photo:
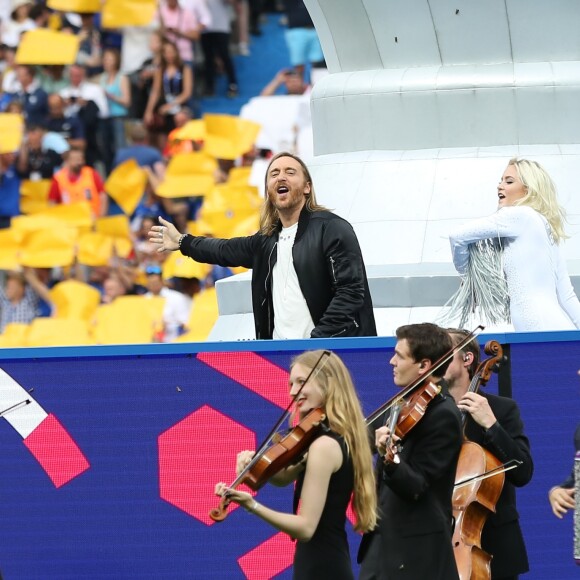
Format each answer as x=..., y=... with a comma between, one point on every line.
x=308, y=275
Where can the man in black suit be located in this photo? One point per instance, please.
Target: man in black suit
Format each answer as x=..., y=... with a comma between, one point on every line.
x=415, y=485
x=494, y=423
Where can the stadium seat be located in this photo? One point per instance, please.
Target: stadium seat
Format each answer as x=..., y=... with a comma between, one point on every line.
x=14, y=335
x=203, y=316
x=58, y=332
x=34, y=196
x=128, y=320
x=74, y=299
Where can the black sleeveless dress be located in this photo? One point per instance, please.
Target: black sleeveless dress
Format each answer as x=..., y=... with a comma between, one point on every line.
x=326, y=554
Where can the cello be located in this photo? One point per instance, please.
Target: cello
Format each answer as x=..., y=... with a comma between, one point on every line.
x=479, y=482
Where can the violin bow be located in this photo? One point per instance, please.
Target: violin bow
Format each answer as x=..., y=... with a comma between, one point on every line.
x=511, y=464
x=436, y=365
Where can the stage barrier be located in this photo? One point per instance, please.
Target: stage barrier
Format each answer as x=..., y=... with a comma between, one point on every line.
x=110, y=454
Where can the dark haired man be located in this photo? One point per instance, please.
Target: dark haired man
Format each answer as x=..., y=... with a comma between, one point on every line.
x=494, y=423
x=308, y=275
x=415, y=483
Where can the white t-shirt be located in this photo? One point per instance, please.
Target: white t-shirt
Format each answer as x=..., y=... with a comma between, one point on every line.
x=291, y=315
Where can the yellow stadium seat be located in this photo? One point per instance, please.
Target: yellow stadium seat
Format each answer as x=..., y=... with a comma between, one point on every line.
x=229, y=136
x=58, y=332
x=227, y=206
x=34, y=196
x=10, y=240
x=188, y=174
x=14, y=335
x=203, y=316
x=95, y=249
x=49, y=248
x=74, y=299
x=128, y=320
x=126, y=185
x=178, y=265
x=239, y=176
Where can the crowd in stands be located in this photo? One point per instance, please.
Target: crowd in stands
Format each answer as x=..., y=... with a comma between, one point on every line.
x=126, y=99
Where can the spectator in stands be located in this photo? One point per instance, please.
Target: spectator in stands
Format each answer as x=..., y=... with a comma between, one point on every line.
x=78, y=182
x=33, y=98
x=177, y=305
x=9, y=189
x=142, y=79
x=36, y=161
x=118, y=93
x=53, y=78
x=175, y=145
x=215, y=42
x=172, y=89
x=9, y=80
x=19, y=22
x=290, y=80
x=242, y=24
x=180, y=26
x=90, y=54
x=302, y=38
x=140, y=150
x=113, y=287
x=69, y=127
x=89, y=102
x=20, y=296
x=40, y=15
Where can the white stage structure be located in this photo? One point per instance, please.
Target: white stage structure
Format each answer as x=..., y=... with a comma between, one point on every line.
x=425, y=103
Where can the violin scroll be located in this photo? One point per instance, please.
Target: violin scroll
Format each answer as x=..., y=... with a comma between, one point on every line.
x=219, y=513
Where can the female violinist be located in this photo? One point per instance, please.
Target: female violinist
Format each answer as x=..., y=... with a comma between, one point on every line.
x=338, y=465
x=413, y=537
x=494, y=423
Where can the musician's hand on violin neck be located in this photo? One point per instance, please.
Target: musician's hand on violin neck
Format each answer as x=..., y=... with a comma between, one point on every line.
x=240, y=497
x=381, y=436
x=243, y=460
x=478, y=407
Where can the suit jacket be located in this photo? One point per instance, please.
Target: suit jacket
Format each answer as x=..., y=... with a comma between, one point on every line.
x=502, y=536
x=415, y=525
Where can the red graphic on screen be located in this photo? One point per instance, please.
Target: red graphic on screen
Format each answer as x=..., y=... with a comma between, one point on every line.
x=258, y=564
x=189, y=470
x=192, y=460
x=253, y=372
x=56, y=451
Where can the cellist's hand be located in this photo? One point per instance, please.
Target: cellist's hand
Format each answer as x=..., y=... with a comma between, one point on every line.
x=240, y=497
x=478, y=407
x=561, y=499
x=243, y=460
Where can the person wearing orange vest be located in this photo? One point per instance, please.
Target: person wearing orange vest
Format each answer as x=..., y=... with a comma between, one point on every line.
x=78, y=182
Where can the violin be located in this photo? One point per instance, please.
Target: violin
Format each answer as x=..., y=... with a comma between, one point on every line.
x=277, y=453
x=408, y=413
x=479, y=483
x=285, y=452
x=409, y=405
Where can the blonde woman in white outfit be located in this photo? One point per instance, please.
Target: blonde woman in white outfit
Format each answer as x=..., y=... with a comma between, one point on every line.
x=523, y=240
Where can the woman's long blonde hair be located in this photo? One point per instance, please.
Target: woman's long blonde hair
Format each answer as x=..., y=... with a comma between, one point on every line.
x=541, y=195
x=345, y=417
x=269, y=214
